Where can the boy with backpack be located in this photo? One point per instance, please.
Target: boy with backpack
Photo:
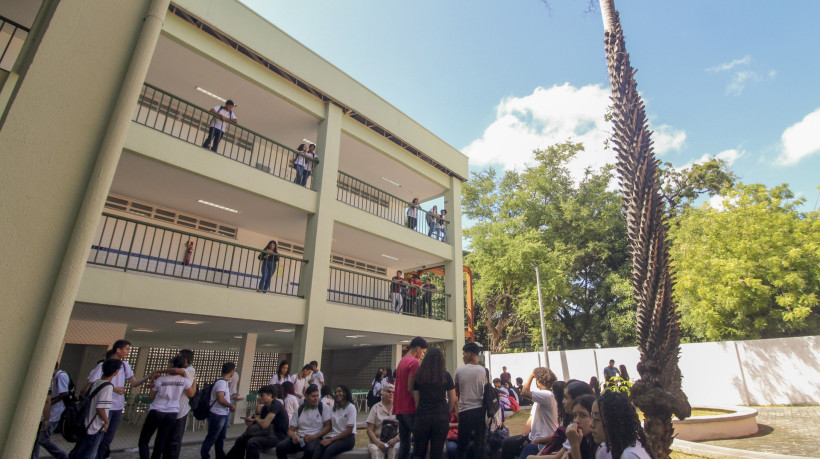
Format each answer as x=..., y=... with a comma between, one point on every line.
x=96, y=420
x=61, y=388
x=220, y=413
x=308, y=425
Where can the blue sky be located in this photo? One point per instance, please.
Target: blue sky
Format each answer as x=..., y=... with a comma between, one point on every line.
x=737, y=80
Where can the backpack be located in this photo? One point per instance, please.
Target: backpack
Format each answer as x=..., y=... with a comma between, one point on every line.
x=490, y=400
x=302, y=408
x=72, y=422
x=372, y=399
x=69, y=400
x=201, y=401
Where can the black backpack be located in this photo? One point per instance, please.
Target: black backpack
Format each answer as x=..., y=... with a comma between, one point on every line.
x=72, y=422
x=302, y=408
x=372, y=398
x=490, y=400
x=201, y=401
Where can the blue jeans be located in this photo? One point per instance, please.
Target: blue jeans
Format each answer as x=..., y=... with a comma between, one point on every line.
x=114, y=418
x=268, y=268
x=88, y=446
x=215, y=135
x=44, y=440
x=217, y=429
x=300, y=170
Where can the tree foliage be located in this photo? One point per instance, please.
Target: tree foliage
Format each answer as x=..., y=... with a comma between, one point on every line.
x=750, y=269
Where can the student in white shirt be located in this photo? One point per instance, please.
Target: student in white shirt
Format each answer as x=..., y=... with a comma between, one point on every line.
x=308, y=425
x=291, y=400
x=119, y=350
x=220, y=415
x=216, y=129
x=174, y=444
x=543, y=417
x=282, y=374
x=317, y=377
x=617, y=428
x=301, y=382
x=57, y=392
x=342, y=436
x=162, y=415
x=97, y=418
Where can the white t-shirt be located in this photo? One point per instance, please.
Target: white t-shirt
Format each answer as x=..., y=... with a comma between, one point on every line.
x=470, y=380
x=341, y=419
x=216, y=122
x=184, y=401
x=291, y=404
x=544, y=414
x=631, y=452
x=299, y=387
x=328, y=401
x=59, y=385
x=377, y=387
x=310, y=422
x=217, y=408
x=103, y=400
x=317, y=378
x=169, y=389
x=277, y=380
x=125, y=373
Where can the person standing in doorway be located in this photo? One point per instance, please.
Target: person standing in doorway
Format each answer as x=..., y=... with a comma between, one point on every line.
x=470, y=380
x=269, y=258
x=404, y=406
x=221, y=115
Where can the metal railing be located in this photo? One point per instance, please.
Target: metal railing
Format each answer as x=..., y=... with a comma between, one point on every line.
x=359, y=194
x=189, y=122
x=138, y=246
x=358, y=289
x=12, y=37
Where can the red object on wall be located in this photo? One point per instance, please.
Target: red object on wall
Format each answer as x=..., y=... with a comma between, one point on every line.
x=189, y=252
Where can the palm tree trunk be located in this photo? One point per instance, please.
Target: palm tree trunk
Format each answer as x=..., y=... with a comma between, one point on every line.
x=658, y=393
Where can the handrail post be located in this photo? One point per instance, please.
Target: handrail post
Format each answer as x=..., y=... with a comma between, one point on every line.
x=130, y=247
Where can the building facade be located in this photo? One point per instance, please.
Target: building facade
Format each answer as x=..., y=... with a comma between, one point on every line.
x=117, y=223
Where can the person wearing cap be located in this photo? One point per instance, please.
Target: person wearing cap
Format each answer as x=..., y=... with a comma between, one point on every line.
x=222, y=113
x=470, y=380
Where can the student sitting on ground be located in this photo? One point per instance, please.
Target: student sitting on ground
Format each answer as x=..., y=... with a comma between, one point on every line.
x=265, y=430
x=308, y=425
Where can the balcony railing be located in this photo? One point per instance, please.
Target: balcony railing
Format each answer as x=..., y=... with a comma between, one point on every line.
x=357, y=193
x=12, y=37
x=186, y=121
x=137, y=246
x=372, y=292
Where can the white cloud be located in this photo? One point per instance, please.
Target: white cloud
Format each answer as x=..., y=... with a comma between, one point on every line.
x=730, y=156
x=741, y=77
x=745, y=60
x=801, y=139
x=667, y=139
x=553, y=115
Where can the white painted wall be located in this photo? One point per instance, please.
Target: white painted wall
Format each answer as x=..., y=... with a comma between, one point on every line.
x=783, y=371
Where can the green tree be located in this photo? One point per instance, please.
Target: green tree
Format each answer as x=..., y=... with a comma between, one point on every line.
x=750, y=269
x=681, y=188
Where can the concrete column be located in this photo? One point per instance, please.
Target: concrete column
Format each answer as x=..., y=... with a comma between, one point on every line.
x=62, y=169
x=142, y=363
x=395, y=356
x=454, y=276
x=244, y=366
x=318, y=241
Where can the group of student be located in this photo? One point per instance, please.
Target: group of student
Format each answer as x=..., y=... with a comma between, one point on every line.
x=436, y=222
x=411, y=295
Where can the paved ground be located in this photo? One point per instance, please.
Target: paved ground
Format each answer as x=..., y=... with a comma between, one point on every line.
x=783, y=430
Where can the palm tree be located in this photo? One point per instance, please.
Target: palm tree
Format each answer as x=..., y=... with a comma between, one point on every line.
x=658, y=393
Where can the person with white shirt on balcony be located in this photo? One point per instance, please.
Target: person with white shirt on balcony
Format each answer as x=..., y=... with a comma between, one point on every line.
x=216, y=129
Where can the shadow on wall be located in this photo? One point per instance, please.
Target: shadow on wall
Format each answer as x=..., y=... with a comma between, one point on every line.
x=782, y=371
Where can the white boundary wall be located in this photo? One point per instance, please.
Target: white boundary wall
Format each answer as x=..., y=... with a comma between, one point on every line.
x=781, y=371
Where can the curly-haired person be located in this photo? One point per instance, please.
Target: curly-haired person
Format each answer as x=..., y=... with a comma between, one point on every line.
x=543, y=417
x=617, y=428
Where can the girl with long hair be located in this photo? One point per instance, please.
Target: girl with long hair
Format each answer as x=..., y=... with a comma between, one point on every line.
x=281, y=373
x=269, y=257
x=291, y=401
x=579, y=433
x=342, y=436
x=435, y=396
x=617, y=428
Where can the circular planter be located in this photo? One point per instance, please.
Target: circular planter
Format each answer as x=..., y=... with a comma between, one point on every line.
x=739, y=421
